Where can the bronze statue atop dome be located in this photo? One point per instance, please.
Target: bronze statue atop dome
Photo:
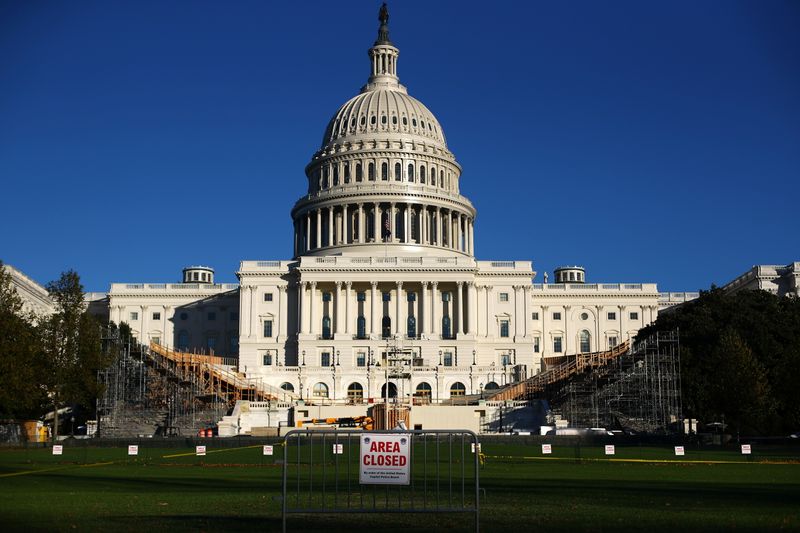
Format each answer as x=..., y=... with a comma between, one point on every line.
x=383, y=31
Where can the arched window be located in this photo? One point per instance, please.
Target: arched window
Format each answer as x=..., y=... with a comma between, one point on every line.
x=361, y=327
x=326, y=327
x=411, y=172
x=183, y=340
x=384, y=119
x=585, y=341
x=386, y=327
x=458, y=389
x=491, y=386
x=441, y=178
x=359, y=177
x=422, y=174
x=394, y=120
x=392, y=390
x=398, y=172
x=373, y=120
x=325, y=178
x=446, y=327
x=371, y=172
x=423, y=390
x=320, y=390
x=355, y=392
x=347, y=172
x=384, y=171
x=335, y=175
x=287, y=386
x=412, y=327
x=433, y=176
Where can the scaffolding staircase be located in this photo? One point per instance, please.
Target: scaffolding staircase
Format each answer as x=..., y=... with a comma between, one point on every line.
x=215, y=376
x=570, y=366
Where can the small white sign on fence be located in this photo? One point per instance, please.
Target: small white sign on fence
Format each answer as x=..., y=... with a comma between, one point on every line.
x=133, y=449
x=267, y=449
x=547, y=449
x=746, y=450
x=58, y=449
x=472, y=447
x=679, y=450
x=610, y=449
x=200, y=450
x=338, y=449
x=385, y=459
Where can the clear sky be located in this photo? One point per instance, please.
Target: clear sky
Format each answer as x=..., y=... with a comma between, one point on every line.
x=649, y=142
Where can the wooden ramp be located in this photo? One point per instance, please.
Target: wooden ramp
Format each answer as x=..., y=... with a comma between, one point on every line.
x=215, y=375
x=567, y=367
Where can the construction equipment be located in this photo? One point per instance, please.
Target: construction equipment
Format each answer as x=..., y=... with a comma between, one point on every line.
x=363, y=422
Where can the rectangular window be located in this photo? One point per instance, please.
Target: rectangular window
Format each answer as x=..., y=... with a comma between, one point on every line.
x=634, y=316
x=134, y=315
x=503, y=296
x=612, y=342
x=268, y=328
x=536, y=345
x=411, y=297
x=448, y=359
x=612, y=316
x=157, y=340
x=234, y=316
x=361, y=359
x=326, y=297
x=325, y=359
x=387, y=296
x=267, y=296
x=535, y=316
x=445, y=296
x=361, y=296
x=268, y=359
x=557, y=344
x=211, y=342
x=505, y=359
x=504, y=328
x=212, y=315
x=156, y=316
x=556, y=316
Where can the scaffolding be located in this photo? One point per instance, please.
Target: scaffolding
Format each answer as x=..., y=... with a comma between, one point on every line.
x=156, y=390
x=638, y=391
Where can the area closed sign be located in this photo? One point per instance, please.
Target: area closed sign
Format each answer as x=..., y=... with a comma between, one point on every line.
x=385, y=459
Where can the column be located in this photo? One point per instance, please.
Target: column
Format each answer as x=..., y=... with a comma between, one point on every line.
x=490, y=329
x=345, y=232
x=330, y=226
x=399, y=313
x=472, y=307
x=459, y=232
x=392, y=223
x=438, y=226
x=376, y=222
x=339, y=313
x=436, y=322
x=319, y=229
x=311, y=308
x=545, y=336
x=423, y=227
x=460, y=311
x=480, y=310
x=308, y=232
x=304, y=306
x=526, y=310
x=472, y=236
x=361, y=223
x=284, y=310
x=252, y=310
x=347, y=306
x=375, y=305
x=450, y=239
x=517, y=312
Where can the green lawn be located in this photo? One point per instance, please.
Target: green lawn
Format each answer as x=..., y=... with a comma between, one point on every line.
x=239, y=489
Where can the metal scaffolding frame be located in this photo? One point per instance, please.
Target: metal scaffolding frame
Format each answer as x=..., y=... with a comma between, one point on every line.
x=638, y=391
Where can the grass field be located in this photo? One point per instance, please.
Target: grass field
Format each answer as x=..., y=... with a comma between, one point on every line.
x=238, y=489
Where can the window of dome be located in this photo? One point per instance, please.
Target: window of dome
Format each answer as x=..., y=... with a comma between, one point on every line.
x=584, y=316
x=347, y=172
x=363, y=120
x=414, y=122
x=384, y=171
x=422, y=174
x=410, y=172
x=353, y=122
x=384, y=120
x=433, y=176
x=398, y=172
x=394, y=121
x=373, y=120
x=422, y=124
x=429, y=126
x=358, y=172
x=371, y=172
x=405, y=121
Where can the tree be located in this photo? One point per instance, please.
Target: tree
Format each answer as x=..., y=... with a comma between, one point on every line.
x=72, y=347
x=20, y=356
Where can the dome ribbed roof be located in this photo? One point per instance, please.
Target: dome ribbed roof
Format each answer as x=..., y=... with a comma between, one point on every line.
x=383, y=110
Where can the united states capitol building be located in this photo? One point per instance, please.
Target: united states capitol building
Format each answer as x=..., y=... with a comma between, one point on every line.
x=384, y=263
x=384, y=260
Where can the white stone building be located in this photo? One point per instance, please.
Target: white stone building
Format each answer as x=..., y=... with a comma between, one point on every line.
x=384, y=258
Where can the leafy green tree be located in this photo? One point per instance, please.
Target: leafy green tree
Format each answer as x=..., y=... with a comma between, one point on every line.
x=20, y=356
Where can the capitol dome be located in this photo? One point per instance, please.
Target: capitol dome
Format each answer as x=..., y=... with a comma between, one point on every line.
x=383, y=175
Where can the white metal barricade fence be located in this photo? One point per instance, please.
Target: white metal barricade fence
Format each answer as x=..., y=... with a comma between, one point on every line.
x=335, y=471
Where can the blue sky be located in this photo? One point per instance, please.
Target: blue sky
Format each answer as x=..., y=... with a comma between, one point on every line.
x=649, y=142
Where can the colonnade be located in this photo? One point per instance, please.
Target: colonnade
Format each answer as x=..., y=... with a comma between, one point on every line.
x=428, y=307
x=360, y=223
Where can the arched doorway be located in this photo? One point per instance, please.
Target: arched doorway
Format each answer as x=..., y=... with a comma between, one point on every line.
x=392, y=390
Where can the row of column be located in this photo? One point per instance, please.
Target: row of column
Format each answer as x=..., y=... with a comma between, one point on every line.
x=408, y=224
x=429, y=308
